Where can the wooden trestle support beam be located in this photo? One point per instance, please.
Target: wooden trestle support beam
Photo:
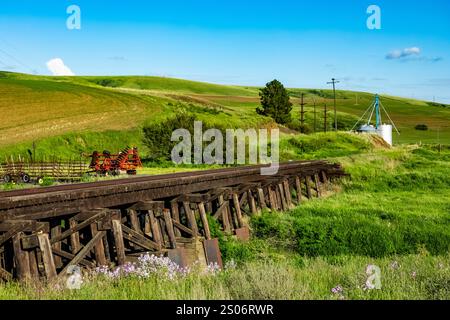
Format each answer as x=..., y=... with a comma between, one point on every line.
x=45, y=248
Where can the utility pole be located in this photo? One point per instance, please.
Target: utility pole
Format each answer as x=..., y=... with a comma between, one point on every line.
x=325, y=119
x=302, y=114
x=333, y=82
x=315, y=117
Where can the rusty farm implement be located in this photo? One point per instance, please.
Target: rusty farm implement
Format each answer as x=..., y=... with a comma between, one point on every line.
x=105, y=163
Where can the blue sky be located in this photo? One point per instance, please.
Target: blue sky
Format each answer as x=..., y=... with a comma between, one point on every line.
x=301, y=43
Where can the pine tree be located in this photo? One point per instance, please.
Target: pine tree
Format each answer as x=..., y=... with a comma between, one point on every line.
x=275, y=102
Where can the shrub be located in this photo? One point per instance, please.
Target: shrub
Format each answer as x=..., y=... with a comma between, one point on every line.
x=422, y=127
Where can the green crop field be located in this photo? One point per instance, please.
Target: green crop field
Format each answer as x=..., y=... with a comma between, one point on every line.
x=69, y=115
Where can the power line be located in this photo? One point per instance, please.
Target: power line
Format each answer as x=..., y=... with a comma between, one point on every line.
x=18, y=61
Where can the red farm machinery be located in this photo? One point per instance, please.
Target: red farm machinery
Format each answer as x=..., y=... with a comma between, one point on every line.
x=105, y=163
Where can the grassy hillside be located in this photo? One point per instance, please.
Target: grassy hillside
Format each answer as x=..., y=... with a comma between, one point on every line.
x=63, y=110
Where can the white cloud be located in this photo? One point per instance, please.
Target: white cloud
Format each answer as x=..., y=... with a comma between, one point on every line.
x=400, y=54
x=58, y=68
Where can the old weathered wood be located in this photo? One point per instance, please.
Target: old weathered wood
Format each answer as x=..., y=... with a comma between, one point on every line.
x=190, y=218
x=118, y=241
x=272, y=199
x=281, y=192
x=99, y=248
x=70, y=256
x=55, y=232
x=237, y=208
x=204, y=218
x=156, y=232
x=47, y=256
x=298, y=189
x=182, y=227
x=169, y=228
x=21, y=258
x=147, y=226
x=134, y=220
x=317, y=185
x=288, y=195
x=252, y=203
x=308, y=187
x=88, y=247
x=139, y=239
x=14, y=229
x=261, y=199
x=74, y=237
x=5, y=275
x=223, y=207
x=175, y=215
x=34, y=268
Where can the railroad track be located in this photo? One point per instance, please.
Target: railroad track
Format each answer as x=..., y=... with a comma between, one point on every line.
x=44, y=230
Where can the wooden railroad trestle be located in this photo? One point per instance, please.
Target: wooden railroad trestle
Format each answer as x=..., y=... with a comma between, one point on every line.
x=44, y=248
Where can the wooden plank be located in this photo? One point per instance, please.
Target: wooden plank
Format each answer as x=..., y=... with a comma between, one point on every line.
x=156, y=233
x=99, y=248
x=287, y=191
x=47, y=256
x=134, y=220
x=147, y=226
x=237, y=208
x=261, y=199
x=204, y=218
x=252, y=203
x=70, y=256
x=272, y=199
x=308, y=187
x=5, y=275
x=139, y=239
x=118, y=241
x=284, y=205
x=21, y=258
x=317, y=185
x=147, y=205
x=14, y=229
x=175, y=215
x=34, y=268
x=169, y=228
x=54, y=232
x=74, y=237
x=25, y=225
x=88, y=247
x=223, y=206
x=298, y=188
x=182, y=227
x=190, y=218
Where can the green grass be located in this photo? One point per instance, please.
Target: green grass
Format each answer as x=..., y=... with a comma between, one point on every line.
x=36, y=108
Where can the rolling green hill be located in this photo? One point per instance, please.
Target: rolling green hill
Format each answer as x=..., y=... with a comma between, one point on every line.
x=93, y=111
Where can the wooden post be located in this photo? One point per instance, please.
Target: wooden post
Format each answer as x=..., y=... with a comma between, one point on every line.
x=298, y=187
x=287, y=191
x=99, y=249
x=21, y=258
x=225, y=221
x=175, y=215
x=272, y=199
x=47, y=255
x=147, y=225
x=202, y=211
x=156, y=233
x=317, y=184
x=118, y=240
x=55, y=231
x=74, y=237
x=237, y=207
x=134, y=221
x=324, y=179
x=169, y=228
x=282, y=197
x=190, y=218
x=261, y=199
x=252, y=203
x=308, y=187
